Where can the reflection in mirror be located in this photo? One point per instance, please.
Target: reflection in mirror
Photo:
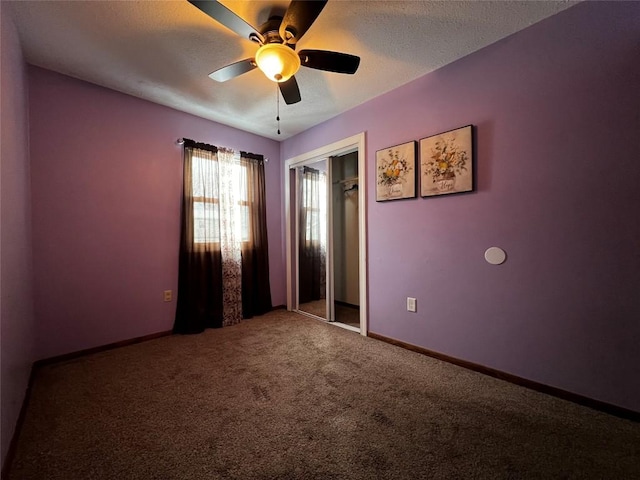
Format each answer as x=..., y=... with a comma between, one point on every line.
x=312, y=239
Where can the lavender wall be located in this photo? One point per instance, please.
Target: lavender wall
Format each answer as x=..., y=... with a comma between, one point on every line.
x=556, y=110
x=106, y=181
x=16, y=284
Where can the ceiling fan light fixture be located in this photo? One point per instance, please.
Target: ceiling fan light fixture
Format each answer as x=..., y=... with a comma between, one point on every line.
x=277, y=61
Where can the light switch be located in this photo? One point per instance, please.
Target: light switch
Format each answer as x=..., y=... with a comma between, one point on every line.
x=411, y=304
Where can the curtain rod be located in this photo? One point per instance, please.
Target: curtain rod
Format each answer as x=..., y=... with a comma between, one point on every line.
x=181, y=141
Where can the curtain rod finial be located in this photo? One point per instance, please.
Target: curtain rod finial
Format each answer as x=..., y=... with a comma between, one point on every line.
x=180, y=141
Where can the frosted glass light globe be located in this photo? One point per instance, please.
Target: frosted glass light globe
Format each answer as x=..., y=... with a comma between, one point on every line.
x=277, y=61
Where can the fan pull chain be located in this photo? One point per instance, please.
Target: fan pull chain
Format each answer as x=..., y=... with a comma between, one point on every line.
x=278, y=108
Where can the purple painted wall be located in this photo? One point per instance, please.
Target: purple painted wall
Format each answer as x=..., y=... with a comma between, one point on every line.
x=106, y=182
x=556, y=110
x=16, y=276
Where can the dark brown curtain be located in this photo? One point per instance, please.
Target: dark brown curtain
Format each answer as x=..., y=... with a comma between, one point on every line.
x=311, y=255
x=256, y=288
x=201, y=280
x=200, y=270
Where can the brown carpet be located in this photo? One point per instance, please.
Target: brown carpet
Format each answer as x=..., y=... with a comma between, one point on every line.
x=288, y=397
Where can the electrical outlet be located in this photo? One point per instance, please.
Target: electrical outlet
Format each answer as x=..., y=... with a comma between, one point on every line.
x=168, y=295
x=411, y=304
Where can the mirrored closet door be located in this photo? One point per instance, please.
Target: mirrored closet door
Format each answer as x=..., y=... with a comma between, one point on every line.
x=326, y=234
x=312, y=239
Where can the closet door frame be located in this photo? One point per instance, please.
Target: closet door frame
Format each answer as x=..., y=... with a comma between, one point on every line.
x=355, y=143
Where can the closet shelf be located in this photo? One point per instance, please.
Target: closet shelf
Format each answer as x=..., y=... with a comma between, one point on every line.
x=347, y=180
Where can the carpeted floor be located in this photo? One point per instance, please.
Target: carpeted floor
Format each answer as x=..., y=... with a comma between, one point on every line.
x=287, y=397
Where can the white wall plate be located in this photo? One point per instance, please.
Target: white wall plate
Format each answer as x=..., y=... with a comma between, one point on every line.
x=495, y=255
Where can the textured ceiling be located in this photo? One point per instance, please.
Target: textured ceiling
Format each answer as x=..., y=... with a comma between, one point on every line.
x=164, y=51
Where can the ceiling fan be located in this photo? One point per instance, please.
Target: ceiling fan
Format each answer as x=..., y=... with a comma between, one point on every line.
x=277, y=38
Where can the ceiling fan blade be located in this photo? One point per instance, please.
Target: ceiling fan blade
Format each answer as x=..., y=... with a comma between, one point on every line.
x=329, y=61
x=229, y=19
x=290, y=91
x=234, y=70
x=299, y=17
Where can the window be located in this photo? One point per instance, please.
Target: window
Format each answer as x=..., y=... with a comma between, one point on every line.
x=224, y=250
x=206, y=201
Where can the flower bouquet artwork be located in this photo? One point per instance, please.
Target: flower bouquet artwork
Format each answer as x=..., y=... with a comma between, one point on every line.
x=446, y=162
x=396, y=176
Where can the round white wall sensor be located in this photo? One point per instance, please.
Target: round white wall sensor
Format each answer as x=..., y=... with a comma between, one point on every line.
x=495, y=255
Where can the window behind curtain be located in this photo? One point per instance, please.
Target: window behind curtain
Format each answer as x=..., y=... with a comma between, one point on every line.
x=205, y=191
x=216, y=287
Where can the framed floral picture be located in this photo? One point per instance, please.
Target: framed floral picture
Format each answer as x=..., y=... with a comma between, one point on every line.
x=446, y=162
x=396, y=172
